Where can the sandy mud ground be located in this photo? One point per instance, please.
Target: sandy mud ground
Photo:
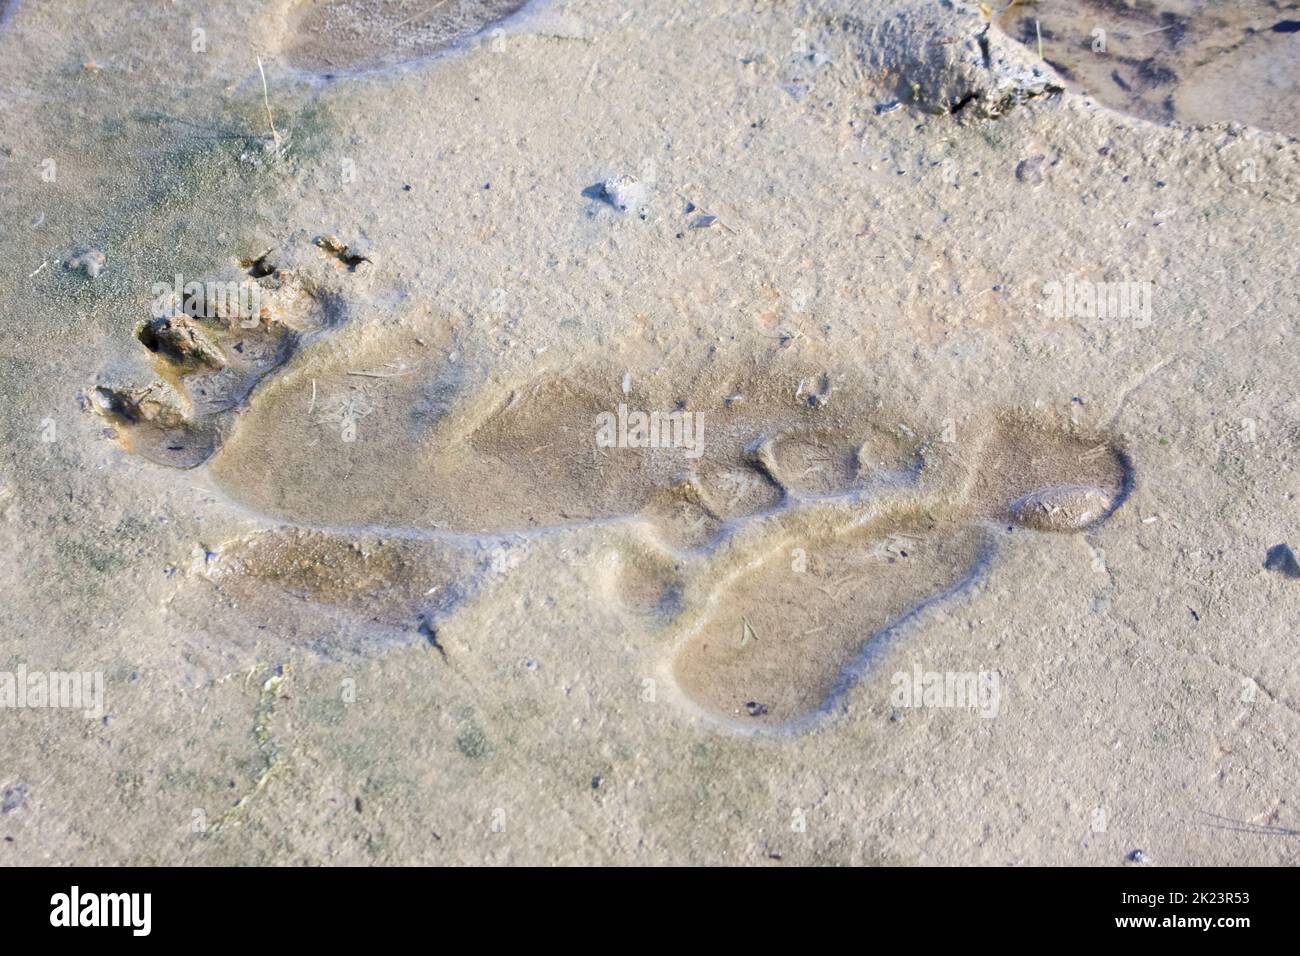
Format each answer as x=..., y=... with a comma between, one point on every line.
x=843, y=431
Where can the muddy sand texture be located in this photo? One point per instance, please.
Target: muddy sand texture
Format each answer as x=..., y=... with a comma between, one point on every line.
x=363, y=543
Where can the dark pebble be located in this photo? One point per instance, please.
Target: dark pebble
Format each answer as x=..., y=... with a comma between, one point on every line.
x=1281, y=558
x=13, y=798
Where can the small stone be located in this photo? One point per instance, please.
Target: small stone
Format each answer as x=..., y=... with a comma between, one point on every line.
x=625, y=193
x=1032, y=171
x=13, y=798
x=89, y=262
x=1282, y=559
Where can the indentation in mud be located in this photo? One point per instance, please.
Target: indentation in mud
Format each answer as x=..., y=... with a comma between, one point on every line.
x=156, y=422
x=260, y=267
x=646, y=581
x=182, y=340
x=1049, y=480
x=828, y=461
x=431, y=448
x=1061, y=508
x=783, y=639
x=211, y=351
x=330, y=35
x=1197, y=61
x=788, y=540
x=377, y=589
x=789, y=635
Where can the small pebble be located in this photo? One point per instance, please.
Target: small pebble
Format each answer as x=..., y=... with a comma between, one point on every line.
x=625, y=193
x=1032, y=171
x=13, y=798
x=1281, y=558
